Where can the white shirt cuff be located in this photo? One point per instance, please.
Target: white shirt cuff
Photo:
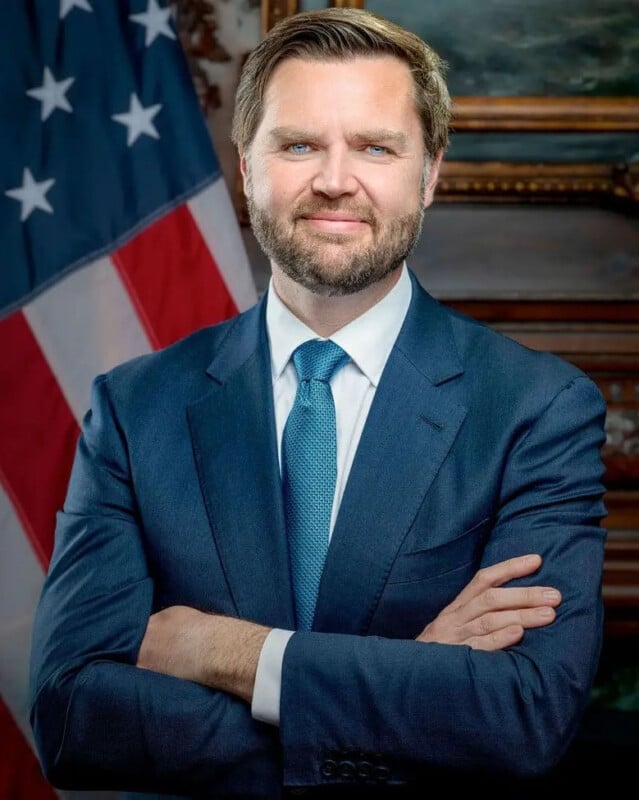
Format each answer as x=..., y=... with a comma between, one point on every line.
x=268, y=678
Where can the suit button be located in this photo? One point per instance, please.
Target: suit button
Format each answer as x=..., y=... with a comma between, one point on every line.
x=364, y=769
x=347, y=769
x=329, y=768
x=381, y=773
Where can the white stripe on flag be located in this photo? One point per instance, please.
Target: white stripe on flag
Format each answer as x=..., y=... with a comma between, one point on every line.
x=21, y=579
x=215, y=216
x=86, y=324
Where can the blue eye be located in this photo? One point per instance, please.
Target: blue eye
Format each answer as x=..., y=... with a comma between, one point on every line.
x=298, y=149
x=377, y=150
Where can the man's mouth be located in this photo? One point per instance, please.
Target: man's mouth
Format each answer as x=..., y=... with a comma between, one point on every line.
x=335, y=221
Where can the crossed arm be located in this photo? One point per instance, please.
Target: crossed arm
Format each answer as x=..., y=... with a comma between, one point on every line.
x=222, y=652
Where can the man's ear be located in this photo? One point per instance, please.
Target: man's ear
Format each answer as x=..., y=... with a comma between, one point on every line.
x=433, y=177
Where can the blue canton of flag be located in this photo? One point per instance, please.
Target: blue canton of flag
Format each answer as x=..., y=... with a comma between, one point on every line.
x=95, y=119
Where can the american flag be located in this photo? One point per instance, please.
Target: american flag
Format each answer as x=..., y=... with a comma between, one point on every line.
x=117, y=237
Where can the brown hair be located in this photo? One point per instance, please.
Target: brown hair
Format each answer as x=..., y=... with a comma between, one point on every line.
x=343, y=33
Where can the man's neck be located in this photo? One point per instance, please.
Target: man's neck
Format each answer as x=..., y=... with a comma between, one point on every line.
x=327, y=314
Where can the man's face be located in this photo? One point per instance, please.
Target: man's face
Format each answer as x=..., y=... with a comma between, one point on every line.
x=335, y=176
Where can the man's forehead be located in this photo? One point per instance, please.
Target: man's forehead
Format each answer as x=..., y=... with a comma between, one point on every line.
x=297, y=84
x=291, y=64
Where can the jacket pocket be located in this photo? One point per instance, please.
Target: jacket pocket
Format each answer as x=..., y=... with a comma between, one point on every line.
x=429, y=563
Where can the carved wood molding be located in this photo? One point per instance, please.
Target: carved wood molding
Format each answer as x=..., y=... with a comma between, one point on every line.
x=524, y=114
x=496, y=180
x=529, y=309
x=621, y=450
x=621, y=564
x=622, y=513
x=609, y=352
x=622, y=393
x=575, y=339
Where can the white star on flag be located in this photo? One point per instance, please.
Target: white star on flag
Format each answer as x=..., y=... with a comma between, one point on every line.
x=68, y=5
x=52, y=94
x=156, y=22
x=138, y=120
x=31, y=194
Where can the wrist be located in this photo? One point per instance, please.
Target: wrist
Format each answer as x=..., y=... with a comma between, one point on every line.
x=231, y=653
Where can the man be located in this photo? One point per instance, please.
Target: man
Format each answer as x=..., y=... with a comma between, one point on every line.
x=190, y=639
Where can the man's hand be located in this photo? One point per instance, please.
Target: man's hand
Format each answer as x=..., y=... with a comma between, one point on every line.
x=486, y=616
x=220, y=652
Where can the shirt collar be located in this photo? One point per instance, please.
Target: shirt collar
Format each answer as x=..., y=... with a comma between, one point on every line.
x=368, y=339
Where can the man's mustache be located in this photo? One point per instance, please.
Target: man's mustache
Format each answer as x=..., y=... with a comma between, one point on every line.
x=312, y=208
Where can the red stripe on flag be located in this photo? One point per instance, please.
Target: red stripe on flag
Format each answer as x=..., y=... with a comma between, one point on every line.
x=38, y=434
x=173, y=280
x=21, y=777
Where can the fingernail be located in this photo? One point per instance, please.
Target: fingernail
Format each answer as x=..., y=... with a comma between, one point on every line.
x=546, y=612
x=551, y=594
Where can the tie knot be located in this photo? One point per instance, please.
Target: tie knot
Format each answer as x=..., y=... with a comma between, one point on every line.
x=318, y=360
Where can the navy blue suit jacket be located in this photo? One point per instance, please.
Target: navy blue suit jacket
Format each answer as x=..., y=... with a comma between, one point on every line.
x=475, y=450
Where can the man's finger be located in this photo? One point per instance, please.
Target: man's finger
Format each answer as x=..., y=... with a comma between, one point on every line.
x=498, y=574
x=499, y=640
x=503, y=599
x=489, y=624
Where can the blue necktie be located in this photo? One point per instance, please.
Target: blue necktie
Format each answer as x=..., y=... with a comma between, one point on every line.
x=309, y=470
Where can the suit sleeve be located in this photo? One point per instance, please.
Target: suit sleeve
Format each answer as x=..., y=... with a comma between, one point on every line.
x=352, y=705
x=98, y=720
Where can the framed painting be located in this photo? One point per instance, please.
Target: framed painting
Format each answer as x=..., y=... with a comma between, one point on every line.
x=546, y=99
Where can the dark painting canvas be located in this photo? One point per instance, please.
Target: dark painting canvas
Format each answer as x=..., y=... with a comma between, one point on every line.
x=528, y=47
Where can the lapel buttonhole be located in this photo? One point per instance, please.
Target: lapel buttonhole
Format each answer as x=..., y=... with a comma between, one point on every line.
x=431, y=422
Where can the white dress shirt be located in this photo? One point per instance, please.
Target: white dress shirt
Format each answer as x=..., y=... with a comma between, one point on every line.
x=368, y=340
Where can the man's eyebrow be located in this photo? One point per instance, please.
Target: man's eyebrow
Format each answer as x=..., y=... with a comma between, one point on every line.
x=376, y=135
x=286, y=133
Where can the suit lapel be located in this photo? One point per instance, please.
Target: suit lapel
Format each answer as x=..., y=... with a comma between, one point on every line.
x=412, y=423
x=234, y=441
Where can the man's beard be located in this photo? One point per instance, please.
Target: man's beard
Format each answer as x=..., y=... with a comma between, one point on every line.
x=347, y=269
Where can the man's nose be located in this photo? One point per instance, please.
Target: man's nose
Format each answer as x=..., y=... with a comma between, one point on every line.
x=335, y=175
